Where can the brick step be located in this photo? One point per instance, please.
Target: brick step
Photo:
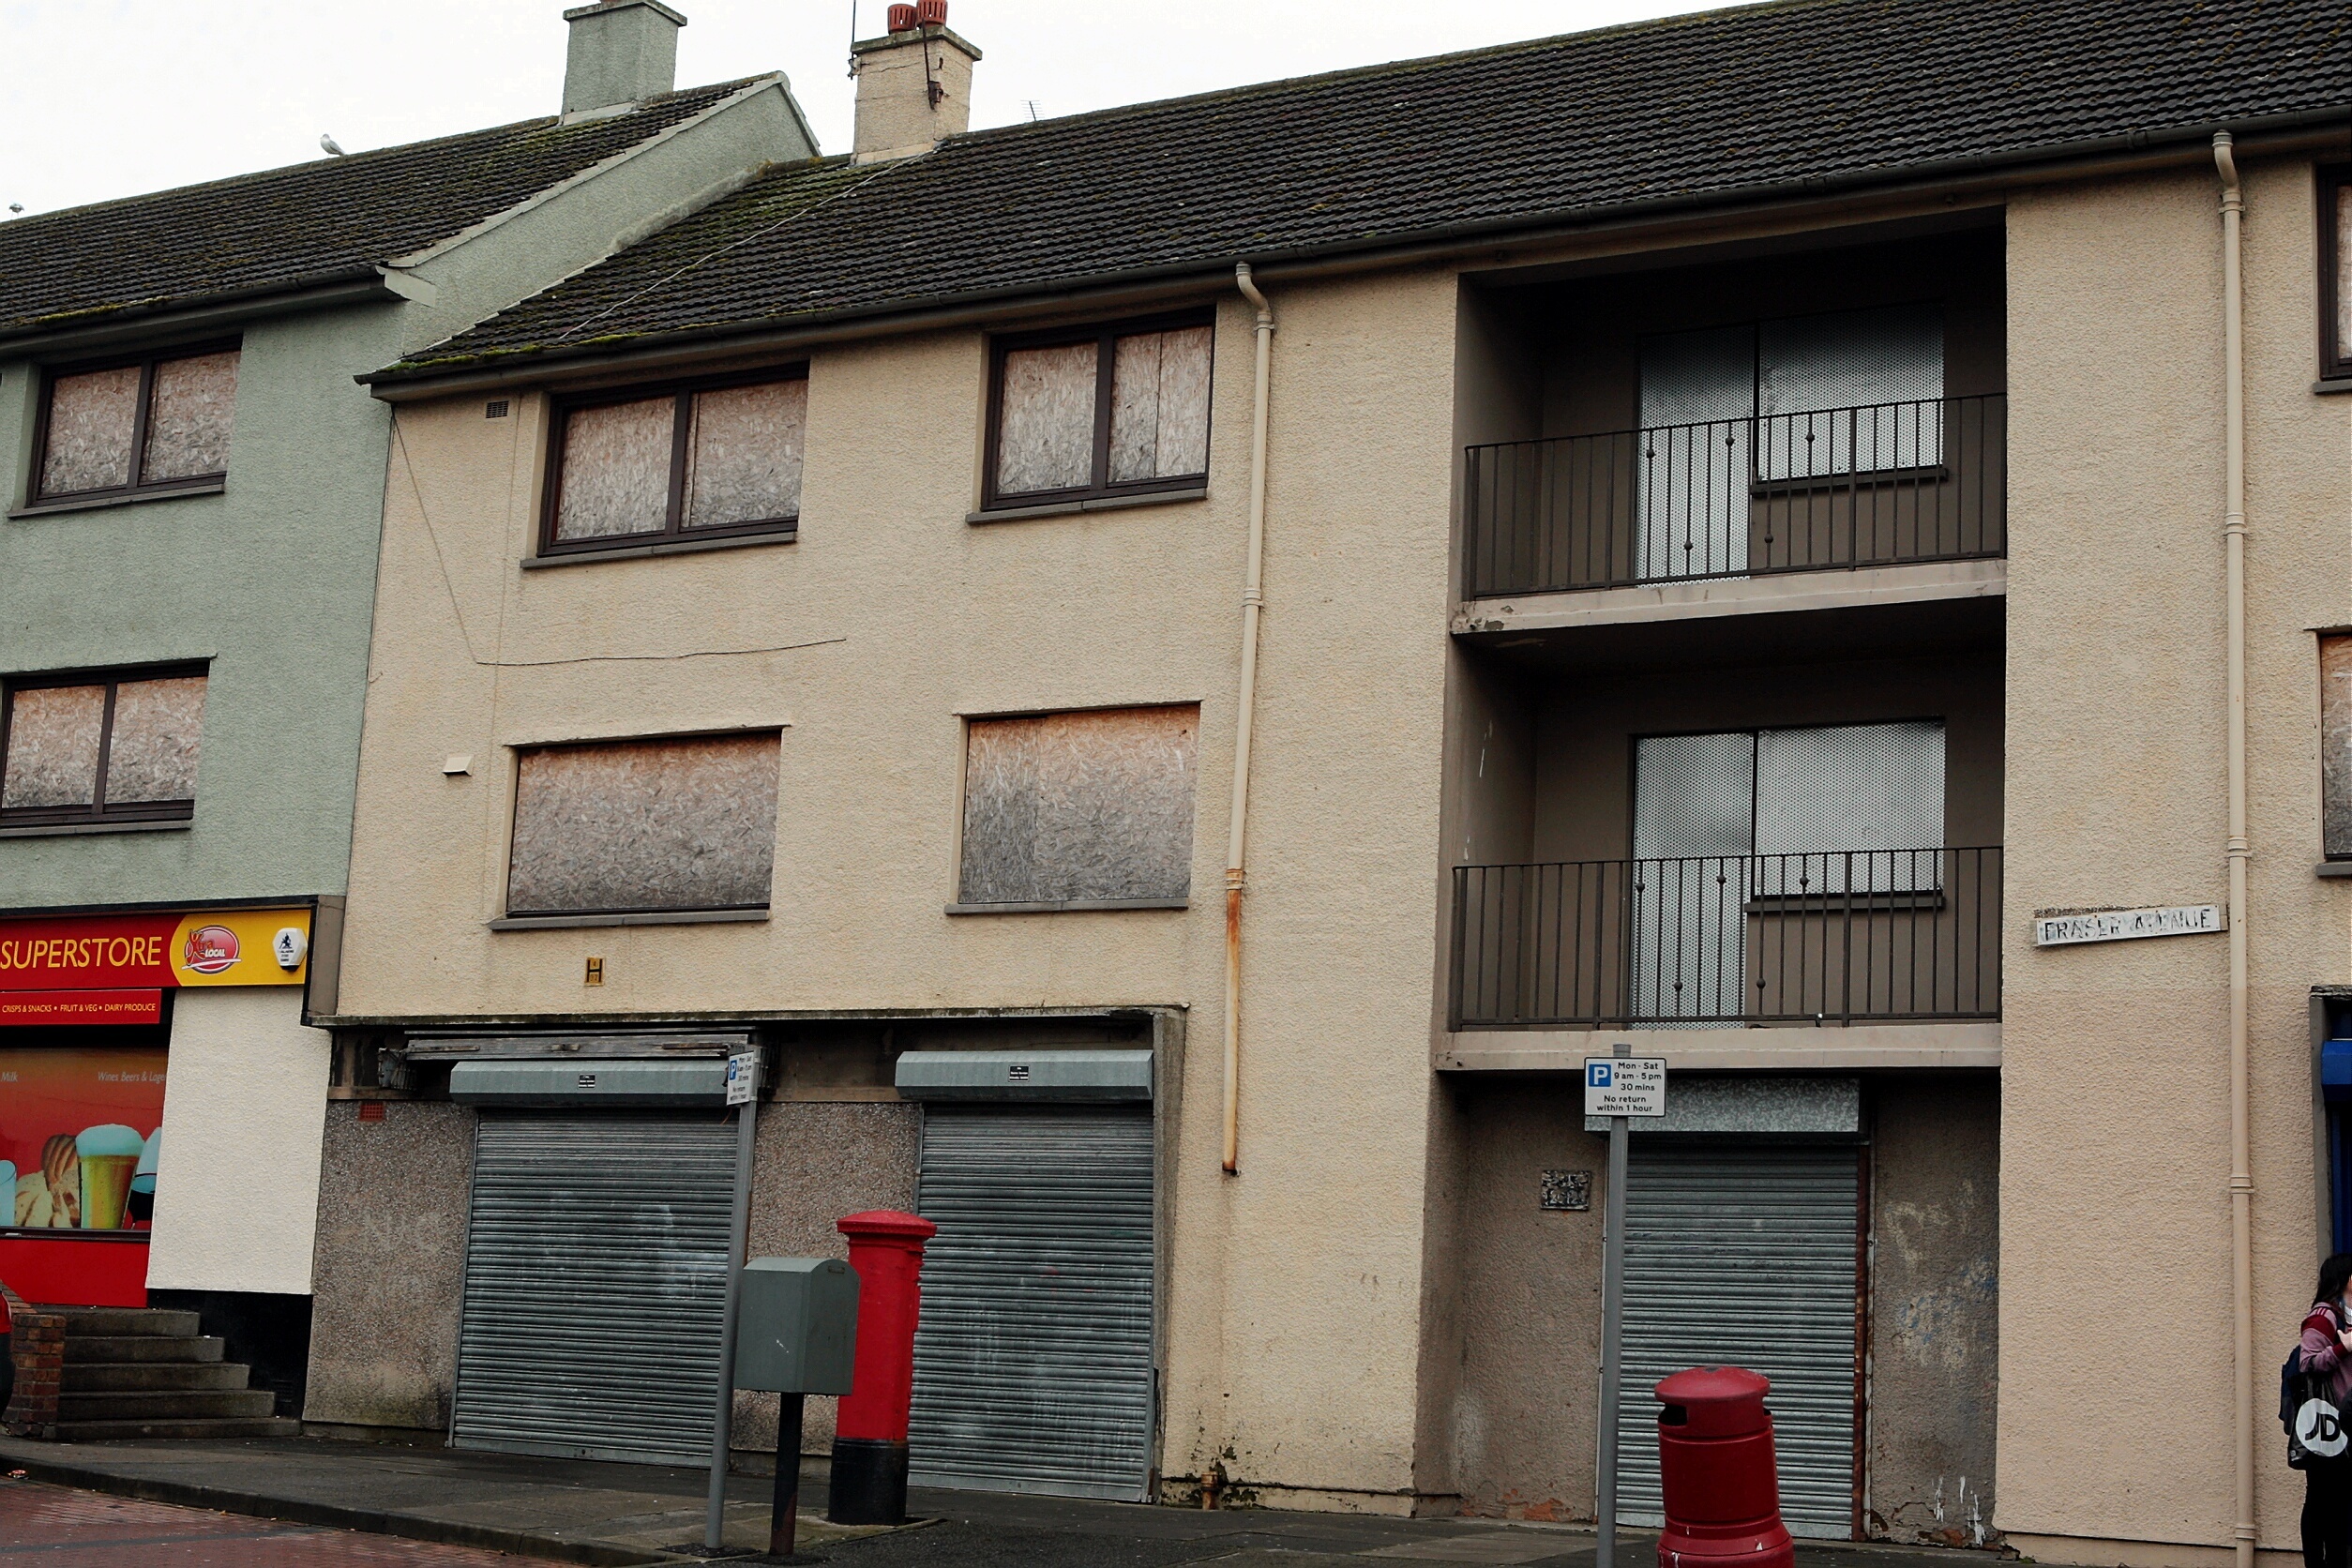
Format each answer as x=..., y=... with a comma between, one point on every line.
x=143, y=1347
x=108, y=1431
x=227, y=1404
x=147, y=1377
x=117, y=1322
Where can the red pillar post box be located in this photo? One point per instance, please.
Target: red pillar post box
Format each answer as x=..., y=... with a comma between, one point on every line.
x=869, y=1446
x=1721, y=1482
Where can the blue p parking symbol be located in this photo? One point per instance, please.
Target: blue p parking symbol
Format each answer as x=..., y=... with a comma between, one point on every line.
x=1599, y=1075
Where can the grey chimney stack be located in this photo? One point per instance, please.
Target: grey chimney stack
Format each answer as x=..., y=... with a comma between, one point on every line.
x=913, y=84
x=623, y=51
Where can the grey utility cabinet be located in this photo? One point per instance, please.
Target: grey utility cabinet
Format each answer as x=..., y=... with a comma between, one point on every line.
x=796, y=1328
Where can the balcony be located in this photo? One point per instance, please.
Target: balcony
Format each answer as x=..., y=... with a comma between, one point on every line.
x=1889, y=484
x=1825, y=938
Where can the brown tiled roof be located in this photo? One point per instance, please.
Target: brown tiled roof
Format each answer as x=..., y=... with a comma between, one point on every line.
x=1719, y=106
x=286, y=228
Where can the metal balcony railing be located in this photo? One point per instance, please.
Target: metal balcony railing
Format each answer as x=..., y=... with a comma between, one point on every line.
x=1844, y=937
x=1782, y=492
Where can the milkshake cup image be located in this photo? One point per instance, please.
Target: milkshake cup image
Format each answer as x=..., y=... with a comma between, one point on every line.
x=110, y=1155
x=141, y=1212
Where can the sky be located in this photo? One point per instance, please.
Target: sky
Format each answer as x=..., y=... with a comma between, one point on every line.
x=113, y=97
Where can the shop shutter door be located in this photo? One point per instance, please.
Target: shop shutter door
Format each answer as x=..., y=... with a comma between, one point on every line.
x=595, y=1274
x=1032, y=1360
x=1745, y=1255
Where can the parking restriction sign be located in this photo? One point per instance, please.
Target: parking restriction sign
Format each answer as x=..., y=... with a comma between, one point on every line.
x=1625, y=1085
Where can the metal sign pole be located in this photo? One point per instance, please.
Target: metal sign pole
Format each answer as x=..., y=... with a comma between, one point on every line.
x=1612, y=1330
x=743, y=1091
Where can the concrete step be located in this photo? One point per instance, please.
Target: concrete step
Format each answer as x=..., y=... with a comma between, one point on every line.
x=147, y=1377
x=143, y=1347
x=223, y=1404
x=110, y=1431
x=116, y=1321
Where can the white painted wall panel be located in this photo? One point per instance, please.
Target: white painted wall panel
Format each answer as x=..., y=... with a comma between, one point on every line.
x=244, y=1112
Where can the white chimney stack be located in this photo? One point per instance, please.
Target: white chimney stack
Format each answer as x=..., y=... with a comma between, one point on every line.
x=623, y=51
x=914, y=86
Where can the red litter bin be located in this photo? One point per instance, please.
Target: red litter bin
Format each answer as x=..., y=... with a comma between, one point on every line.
x=1715, y=1461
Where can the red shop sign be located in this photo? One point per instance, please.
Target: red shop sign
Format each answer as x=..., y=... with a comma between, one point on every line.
x=94, y=952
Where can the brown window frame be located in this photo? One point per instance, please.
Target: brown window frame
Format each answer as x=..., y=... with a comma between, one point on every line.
x=1104, y=335
x=2335, y=358
x=673, y=529
x=52, y=374
x=98, y=811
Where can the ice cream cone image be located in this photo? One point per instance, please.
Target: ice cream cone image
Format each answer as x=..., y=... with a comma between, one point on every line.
x=61, y=1173
x=109, y=1155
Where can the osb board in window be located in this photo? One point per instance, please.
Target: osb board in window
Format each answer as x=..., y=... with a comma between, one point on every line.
x=744, y=453
x=1159, y=405
x=1045, y=419
x=159, y=729
x=1079, y=806
x=91, y=418
x=661, y=825
x=2335, y=745
x=188, y=421
x=616, y=470
x=53, y=747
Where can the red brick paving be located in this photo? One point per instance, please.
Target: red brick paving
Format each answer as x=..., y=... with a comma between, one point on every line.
x=55, y=1526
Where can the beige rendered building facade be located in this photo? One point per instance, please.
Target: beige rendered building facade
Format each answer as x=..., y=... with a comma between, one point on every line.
x=1773, y=609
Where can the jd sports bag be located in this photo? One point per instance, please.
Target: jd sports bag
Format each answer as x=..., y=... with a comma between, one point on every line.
x=2315, y=1426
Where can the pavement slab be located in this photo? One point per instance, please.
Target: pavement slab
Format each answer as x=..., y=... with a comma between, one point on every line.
x=70, y=1528
x=621, y=1515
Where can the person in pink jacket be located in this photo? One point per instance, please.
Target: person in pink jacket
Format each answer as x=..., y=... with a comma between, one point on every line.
x=2327, y=1351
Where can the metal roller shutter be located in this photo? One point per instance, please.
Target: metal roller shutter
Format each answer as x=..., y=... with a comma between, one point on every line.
x=1746, y=1255
x=1033, y=1360
x=595, y=1273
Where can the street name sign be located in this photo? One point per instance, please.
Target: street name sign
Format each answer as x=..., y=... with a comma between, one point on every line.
x=2182, y=920
x=1625, y=1085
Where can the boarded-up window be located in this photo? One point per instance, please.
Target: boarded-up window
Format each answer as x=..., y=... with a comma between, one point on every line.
x=1057, y=435
x=2335, y=745
x=161, y=423
x=1082, y=806
x=700, y=460
x=629, y=826
x=616, y=470
x=743, y=454
x=1159, y=405
x=99, y=750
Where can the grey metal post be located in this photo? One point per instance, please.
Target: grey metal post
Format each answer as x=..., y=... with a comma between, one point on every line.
x=738, y=1241
x=1612, y=1329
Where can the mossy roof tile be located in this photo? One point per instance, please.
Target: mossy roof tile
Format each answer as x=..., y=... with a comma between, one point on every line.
x=1699, y=107
x=282, y=227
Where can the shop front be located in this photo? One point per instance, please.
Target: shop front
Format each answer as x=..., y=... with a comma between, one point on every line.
x=87, y=1012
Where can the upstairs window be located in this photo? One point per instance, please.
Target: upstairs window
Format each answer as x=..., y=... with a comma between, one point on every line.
x=101, y=749
x=1098, y=413
x=1078, y=810
x=673, y=465
x=647, y=826
x=2335, y=255
x=133, y=426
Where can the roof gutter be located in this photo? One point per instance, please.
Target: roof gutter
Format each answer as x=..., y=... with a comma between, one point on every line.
x=1988, y=175
x=98, y=329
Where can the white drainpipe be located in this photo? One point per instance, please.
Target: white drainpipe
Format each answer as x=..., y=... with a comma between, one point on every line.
x=2234, y=539
x=1237, y=835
